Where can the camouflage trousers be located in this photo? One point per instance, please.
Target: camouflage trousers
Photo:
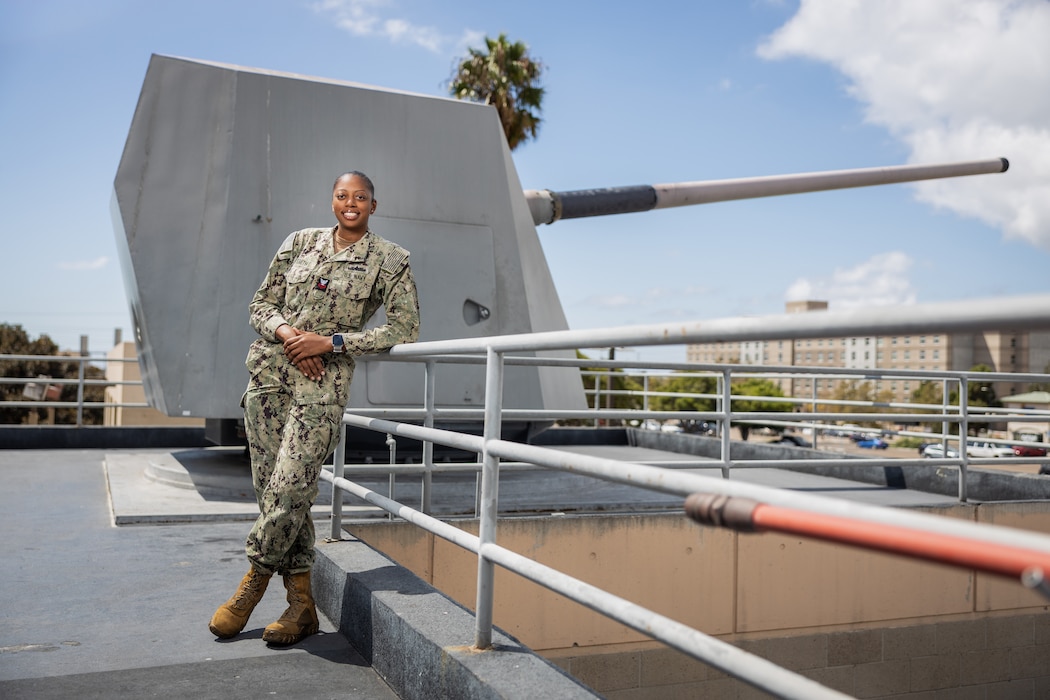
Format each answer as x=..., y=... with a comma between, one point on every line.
x=288, y=443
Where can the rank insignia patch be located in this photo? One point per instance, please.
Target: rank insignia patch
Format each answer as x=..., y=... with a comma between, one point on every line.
x=322, y=284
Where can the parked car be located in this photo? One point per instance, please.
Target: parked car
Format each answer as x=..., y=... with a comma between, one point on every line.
x=1028, y=449
x=978, y=448
x=936, y=451
x=873, y=443
x=796, y=440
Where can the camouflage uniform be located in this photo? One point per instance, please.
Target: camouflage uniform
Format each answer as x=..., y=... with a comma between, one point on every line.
x=292, y=422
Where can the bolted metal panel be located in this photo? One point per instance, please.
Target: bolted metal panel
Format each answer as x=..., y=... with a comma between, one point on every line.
x=223, y=162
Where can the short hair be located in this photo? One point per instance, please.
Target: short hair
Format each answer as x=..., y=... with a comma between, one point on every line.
x=357, y=173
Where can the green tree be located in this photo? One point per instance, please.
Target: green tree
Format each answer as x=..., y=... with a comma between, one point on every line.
x=15, y=341
x=854, y=390
x=680, y=385
x=1041, y=386
x=978, y=393
x=506, y=77
x=610, y=385
x=930, y=393
x=757, y=387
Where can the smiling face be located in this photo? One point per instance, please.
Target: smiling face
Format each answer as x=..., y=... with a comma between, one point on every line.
x=352, y=203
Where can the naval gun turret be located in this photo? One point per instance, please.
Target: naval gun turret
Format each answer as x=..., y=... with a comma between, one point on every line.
x=222, y=162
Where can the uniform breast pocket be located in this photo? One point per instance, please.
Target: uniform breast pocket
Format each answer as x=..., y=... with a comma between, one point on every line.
x=298, y=274
x=351, y=291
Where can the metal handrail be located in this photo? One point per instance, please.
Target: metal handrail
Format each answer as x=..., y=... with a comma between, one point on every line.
x=492, y=449
x=81, y=382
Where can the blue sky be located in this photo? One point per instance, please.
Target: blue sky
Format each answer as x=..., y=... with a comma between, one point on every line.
x=636, y=94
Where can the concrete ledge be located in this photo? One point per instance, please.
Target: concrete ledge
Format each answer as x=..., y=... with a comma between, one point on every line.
x=418, y=640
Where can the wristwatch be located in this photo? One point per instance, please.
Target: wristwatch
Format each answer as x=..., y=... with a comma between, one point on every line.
x=337, y=343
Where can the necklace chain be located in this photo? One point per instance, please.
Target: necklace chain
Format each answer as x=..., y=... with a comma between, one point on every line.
x=339, y=240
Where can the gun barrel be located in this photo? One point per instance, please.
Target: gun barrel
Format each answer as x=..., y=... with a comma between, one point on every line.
x=547, y=206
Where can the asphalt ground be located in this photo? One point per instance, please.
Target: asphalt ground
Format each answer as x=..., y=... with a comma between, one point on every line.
x=92, y=610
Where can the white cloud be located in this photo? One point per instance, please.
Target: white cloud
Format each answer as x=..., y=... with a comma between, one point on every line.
x=96, y=264
x=953, y=81
x=366, y=18
x=880, y=281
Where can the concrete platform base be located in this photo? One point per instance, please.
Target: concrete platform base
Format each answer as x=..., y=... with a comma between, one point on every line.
x=418, y=640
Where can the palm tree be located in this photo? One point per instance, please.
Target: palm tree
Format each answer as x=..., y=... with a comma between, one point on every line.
x=507, y=78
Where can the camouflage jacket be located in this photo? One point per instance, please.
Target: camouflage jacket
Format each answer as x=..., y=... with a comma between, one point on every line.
x=313, y=289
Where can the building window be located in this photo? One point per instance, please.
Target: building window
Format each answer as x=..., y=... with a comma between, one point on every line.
x=866, y=354
x=894, y=340
x=922, y=339
x=936, y=354
x=922, y=354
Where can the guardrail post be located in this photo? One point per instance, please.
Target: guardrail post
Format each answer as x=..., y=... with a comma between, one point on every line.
x=813, y=408
x=964, y=431
x=597, y=397
x=81, y=375
x=338, y=464
x=430, y=369
x=944, y=412
x=489, y=497
x=727, y=403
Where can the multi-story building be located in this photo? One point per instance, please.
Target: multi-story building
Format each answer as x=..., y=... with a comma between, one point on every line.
x=1003, y=351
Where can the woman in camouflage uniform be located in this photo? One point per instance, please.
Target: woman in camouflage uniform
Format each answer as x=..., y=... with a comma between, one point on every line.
x=323, y=285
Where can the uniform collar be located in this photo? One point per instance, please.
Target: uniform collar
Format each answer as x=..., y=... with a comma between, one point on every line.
x=357, y=251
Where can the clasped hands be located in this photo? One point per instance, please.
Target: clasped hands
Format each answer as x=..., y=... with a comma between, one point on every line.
x=304, y=348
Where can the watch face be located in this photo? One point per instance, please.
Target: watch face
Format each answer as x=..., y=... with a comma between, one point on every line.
x=337, y=342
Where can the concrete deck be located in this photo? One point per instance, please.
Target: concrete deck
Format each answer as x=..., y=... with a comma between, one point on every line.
x=117, y=559
x=96, y=611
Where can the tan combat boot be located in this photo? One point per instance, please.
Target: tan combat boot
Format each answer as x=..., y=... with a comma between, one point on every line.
x=232, y=615
x=300, y=619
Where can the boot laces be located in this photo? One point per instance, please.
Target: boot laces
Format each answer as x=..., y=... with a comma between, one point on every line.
x=248, y=592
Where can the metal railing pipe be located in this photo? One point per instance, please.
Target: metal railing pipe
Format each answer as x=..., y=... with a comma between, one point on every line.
x=1020, y=313
x=489, y=510
x=726, y=402
x=749, y=668
x=746, y=515
x=684, y=483
x=430, y=385
x=338, y=465
x=964, y=430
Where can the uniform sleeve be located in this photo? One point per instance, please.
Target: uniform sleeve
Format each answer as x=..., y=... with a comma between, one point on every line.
x=402, y=310
x=265, y=309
